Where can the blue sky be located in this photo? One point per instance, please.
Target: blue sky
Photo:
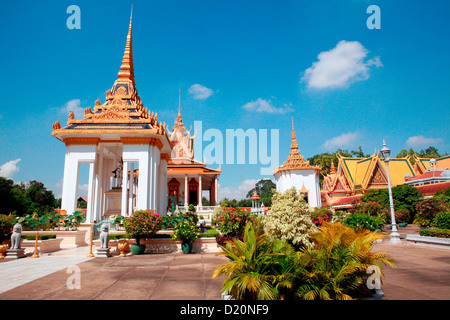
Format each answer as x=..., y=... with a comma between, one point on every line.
x=262, y=61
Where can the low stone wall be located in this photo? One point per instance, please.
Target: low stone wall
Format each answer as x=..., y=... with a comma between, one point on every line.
x=201, y=245
x=43, y=246
x=70, y=239
x=428, y=241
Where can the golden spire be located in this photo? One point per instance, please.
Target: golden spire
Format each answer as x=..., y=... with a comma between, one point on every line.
x=127, y=68
x=179, y=121
x=294, y=144
x=333, y=169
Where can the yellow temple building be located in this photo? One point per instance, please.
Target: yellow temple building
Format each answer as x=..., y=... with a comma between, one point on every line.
x=354, y=176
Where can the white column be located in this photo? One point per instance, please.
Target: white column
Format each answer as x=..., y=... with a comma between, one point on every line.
x=186, y=191
x=75, y=154
x=140, y=154
x=200, y=193
x=98, y=208
x=155, y=185
x=131, y=189
x=91, y=196
x=124, y=189
x=70, y=183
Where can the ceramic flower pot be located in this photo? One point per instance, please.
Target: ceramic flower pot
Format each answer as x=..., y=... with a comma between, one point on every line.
x=186, y=247
x=123, y=246
x=3, y=248
x=137, y=249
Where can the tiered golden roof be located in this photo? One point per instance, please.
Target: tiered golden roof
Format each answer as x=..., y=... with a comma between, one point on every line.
x=123, y=110
x=295, y=160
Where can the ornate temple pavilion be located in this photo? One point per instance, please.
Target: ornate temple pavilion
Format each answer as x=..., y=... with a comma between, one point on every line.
x=120, y=137
x=355, y=176
x=298, y=173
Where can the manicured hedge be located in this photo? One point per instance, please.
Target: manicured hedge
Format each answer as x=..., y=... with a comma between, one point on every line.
x=440, y=233
x=40, y=237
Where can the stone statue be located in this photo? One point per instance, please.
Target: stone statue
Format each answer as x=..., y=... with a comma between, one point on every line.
x=16, y=236
x=104, y=236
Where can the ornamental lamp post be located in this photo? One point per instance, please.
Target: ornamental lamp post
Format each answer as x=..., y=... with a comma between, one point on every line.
x=385, y=153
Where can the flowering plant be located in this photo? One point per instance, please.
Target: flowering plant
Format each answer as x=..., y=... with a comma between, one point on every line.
x=6, y=226
x=143, y=223
x=232, y=221
x=186, y=232
x=426, y=211
x=318, y=216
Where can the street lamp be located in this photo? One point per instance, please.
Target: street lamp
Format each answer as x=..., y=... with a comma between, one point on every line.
x=395, y=237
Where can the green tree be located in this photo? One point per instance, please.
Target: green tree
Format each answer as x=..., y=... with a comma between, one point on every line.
x=11, y=197
x=38, y=198
x=430, y=152
x=245, y=203
x=359, y=153
x=228, y=203
x=262, y=187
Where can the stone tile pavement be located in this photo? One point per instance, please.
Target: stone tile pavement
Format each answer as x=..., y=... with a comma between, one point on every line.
x=422, y=273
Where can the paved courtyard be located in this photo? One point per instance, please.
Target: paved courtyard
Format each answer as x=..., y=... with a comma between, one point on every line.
x=422, y=273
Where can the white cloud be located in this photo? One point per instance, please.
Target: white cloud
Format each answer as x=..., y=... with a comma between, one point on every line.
x=340, y=66
x=73, y=105
x=266, y=106
x=238, y=193
x=418, y=141
x=8, y=169
x=344, y=139
x=200, y=92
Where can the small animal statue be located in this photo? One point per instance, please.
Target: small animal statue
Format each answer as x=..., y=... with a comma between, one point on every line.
x=104, y=237
x=16, y=236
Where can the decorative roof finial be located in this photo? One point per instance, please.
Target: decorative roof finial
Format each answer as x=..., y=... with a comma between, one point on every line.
x=127, y=68
x=294, y=145
x=179, y=121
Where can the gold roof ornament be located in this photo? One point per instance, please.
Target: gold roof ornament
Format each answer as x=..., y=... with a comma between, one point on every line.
x=255, y=196
x=123, y=110
x=295, y=160
x=179, y=122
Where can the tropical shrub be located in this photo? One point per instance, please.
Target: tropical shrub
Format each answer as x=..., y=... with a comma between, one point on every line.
x=248, y=274
x=404, y=197
x=339, y=216
x=48, y=221
x=359, y=220
x=142, y=224
x=6, y=226
x=318, y=215
x=402, y=216
x=426, y=211
x=72, y=221
x=289, y=218
x=336, y=266
x=186, y=232
x=442, y=220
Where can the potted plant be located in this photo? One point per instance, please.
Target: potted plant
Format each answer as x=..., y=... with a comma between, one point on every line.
x=142, y=224
x=186, y=232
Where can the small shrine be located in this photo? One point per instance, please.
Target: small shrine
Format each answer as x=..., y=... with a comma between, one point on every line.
x=297, y=172
x=134, y=164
